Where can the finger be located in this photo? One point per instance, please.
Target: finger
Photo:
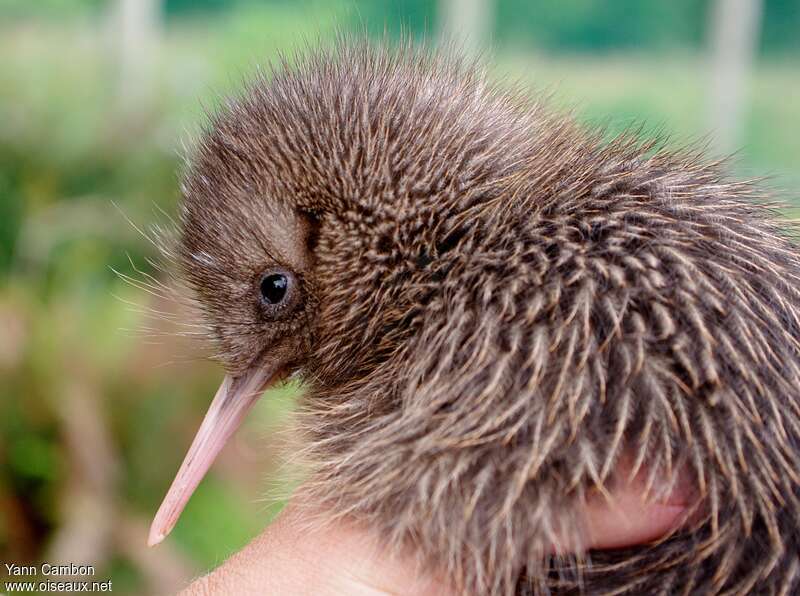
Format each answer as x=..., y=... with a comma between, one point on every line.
x=627, y=514
x=627, y=519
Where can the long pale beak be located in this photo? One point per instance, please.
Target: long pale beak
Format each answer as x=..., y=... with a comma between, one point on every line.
x=231, y=404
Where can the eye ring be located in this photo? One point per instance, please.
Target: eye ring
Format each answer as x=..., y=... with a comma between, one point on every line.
x=276, y=288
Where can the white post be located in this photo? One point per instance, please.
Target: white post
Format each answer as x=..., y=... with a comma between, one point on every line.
x=734, y=31
x=468, y=23
x=135, y=30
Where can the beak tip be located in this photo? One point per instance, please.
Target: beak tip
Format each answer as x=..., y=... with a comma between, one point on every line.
x=155, y=537
x=233, y=400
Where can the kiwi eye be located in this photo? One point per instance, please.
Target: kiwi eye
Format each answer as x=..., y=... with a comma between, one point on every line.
x=274, y=287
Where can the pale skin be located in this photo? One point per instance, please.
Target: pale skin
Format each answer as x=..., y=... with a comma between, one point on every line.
x=293, y=557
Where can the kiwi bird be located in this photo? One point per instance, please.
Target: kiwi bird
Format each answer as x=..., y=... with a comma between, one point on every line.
x=492, y=306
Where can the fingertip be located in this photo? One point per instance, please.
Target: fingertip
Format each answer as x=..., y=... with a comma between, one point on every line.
x=628, y=518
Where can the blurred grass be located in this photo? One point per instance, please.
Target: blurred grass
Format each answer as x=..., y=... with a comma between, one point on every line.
x=68, y=148
x=668, y=95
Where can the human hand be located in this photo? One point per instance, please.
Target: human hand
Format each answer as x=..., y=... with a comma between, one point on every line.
x=293, y=556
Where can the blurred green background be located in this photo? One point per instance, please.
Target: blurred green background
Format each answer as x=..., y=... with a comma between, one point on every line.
x=98, y=401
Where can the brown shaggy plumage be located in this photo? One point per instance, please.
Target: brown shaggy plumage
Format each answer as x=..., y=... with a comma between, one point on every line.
x=494, y=306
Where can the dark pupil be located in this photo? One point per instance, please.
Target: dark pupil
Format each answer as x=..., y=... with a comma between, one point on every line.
x=273, y=288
